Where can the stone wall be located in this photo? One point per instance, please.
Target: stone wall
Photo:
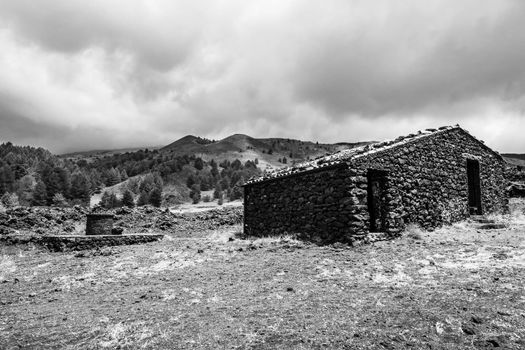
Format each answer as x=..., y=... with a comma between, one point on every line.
x=427, y=180
x=426, y=183
x=99, y=224
x=320, y=205
x=74, y=243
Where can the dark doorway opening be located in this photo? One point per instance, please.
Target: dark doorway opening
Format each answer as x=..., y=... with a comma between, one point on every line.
x=376, y=200
x=474, y=187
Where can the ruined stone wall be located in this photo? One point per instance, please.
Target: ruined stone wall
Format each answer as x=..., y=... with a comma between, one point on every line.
x=427, y=179
x=320, y=206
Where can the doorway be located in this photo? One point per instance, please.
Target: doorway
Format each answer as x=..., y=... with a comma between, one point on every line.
x=474, y=187
x=376, y=200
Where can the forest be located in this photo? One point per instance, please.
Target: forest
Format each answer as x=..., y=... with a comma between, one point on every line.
x=32, y=176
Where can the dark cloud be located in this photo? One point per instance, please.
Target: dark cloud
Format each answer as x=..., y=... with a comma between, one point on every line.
x=114, y=73
x=361, y=73
x=155, y=38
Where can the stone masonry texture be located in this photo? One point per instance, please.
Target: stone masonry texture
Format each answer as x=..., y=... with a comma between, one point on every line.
x=99, y=224
x=74, y=243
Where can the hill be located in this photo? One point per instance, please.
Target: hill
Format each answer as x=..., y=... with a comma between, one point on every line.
x=271, y=153
x=38, y=177
x=515, y=158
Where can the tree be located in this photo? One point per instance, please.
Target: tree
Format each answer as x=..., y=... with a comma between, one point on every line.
x=127, y=199
x=236, y=193
x=105, y=200
x=26, y=187
x=10, y=200
x=143, y=199
x=155, y=197
x=7, y=178
x=80, y=187
x=190, y=181
x=198, y=164
x=40, y=194
x=113, y=177
x=217, y=191
x=114, y=202
x=214, y=170
x=195, y=193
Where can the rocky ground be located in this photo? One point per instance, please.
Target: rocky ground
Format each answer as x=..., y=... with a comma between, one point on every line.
x=53, y=221
x=458, y=287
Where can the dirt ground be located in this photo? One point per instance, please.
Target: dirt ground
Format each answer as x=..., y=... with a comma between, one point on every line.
x=458, y=287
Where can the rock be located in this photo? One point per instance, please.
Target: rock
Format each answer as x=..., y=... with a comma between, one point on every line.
x=468, y=329
x=476, y=319
x=117, y=230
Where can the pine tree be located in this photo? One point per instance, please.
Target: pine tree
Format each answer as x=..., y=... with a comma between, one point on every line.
x=155, y=197
x=114, y=202
x=40, y=194
x=190, y=181
x=80, y=188
x=26, y=187
x=198, y=164
x=143, y=199
x=214, y=169
x=105, y=200
x=7, y=178
x=127, y=199
x=113, y=177
x=195, y=194
x=217, y=192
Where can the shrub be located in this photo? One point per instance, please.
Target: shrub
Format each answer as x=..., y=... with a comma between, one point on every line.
x=413, y=231
x=10, y=200
x=59, y=200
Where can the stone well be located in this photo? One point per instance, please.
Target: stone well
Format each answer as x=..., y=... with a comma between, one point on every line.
x=99, y=224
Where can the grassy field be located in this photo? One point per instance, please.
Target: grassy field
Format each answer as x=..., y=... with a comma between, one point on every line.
x=455, y=288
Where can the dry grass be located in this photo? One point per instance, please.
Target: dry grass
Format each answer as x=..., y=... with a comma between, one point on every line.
x=454, y=288
x=413, y=231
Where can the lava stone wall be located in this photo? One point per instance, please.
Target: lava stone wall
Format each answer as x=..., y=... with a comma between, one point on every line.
x=426, y=183
x=321, y=205
x=72, y=243
x=427, y=179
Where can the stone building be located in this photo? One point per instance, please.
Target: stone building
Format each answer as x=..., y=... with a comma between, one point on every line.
x=430, y=178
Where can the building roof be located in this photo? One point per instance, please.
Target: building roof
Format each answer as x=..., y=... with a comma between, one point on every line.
x=340, y=157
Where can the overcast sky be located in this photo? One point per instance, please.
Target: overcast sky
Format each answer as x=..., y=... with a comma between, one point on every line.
x=77, y=75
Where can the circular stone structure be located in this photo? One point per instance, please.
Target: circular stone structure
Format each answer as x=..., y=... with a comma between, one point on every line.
x=99, y=224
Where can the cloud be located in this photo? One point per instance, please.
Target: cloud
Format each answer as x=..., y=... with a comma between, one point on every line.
x=119, y=73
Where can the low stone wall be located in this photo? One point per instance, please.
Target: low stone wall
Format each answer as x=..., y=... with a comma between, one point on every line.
x=74, y=243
